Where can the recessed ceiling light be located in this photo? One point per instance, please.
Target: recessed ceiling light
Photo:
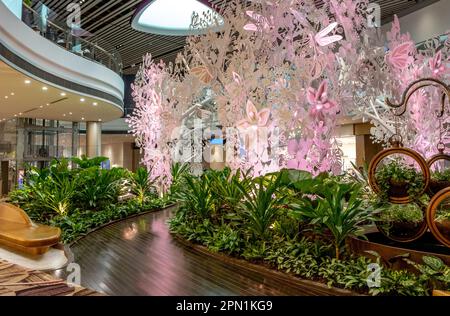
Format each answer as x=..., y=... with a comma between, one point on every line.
x=82, y=118
x=82, y=100
x=27, y=81
x=20, y=113
x=95, y=104
x=6, y=97
x=44, y=88
x=171, y=17
x=41, y=106
x=70, y=113
x=47, y=104
x=64, y=114
x=99, y=120
x=15, y=115
x=12, y=93
x=63, y=94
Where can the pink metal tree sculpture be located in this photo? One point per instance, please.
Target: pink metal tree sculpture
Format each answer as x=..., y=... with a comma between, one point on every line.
x=280, y=73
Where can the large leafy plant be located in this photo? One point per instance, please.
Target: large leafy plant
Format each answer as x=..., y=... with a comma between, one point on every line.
x=338, y=208
x=98, y=187
x=228, y=187
x=196, y=197
x=178, y=172
x=263, y=200
x=141, y=185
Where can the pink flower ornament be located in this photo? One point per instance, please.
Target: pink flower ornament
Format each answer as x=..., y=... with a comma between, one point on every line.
x=400, y=56
x=436, y=65
x=254, y=118
x=319, y=100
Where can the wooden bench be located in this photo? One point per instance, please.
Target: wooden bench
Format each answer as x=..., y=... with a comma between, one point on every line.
x=440, y=293
x=18, y=232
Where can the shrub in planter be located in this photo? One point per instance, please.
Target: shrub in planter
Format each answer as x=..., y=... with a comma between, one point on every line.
x=400, y=220
x=439, y=180
x=338, y=210
x=395, y=179
x=442, y=219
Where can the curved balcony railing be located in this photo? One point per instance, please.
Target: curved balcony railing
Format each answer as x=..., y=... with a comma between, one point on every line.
x=93, y=49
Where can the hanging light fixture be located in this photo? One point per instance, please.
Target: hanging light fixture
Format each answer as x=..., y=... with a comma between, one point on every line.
x=172, y=17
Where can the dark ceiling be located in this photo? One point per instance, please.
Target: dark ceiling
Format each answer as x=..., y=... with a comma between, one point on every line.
x=110, y=21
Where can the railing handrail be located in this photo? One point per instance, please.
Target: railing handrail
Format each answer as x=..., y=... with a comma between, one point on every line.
x=111, y=56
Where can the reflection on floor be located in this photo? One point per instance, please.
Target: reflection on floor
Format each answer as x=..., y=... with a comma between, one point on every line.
x=139, y=257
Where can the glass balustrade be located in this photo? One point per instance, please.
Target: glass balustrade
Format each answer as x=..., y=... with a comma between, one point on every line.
x=75, y=40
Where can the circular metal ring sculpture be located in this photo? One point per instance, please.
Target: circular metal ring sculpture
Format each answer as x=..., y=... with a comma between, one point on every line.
x=417, y=230
x=437, y=185
x=407, y=152
x=440, y=229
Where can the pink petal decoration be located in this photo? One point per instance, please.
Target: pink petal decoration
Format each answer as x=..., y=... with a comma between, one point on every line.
x=400, y=56
x=263, y=117
x=323, y=40
x=292, y=147
x=251, y=27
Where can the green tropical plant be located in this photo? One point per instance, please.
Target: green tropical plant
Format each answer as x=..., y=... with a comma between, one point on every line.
x=97, y=187
x=84, y=162
x=55, y=195
x=225, y=187
x=141, y=185
x=178, y=172
x=339, y=209
x=262, y=202
x=196, y=197
x=434, y=271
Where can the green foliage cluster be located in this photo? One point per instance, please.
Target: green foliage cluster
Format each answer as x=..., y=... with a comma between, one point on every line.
x=409, y=213
x=289, y=220
x=397, y=173
x=81, y=198
x=441, y=175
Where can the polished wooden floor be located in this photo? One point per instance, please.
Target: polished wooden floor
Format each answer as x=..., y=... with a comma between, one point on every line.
x=139, y=257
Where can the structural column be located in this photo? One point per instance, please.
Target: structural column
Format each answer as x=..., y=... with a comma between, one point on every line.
x=93, y=139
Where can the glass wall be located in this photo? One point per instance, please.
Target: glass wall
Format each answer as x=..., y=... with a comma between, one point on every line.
x=33, y=142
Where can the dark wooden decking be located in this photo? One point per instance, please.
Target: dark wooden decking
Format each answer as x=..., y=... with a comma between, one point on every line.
x=139, y=257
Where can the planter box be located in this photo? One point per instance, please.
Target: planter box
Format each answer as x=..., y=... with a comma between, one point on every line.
x=272, y=277
x=392, y=252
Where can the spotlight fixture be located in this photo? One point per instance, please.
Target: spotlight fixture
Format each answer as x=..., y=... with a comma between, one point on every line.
x=27, y=81
x=82, y=100
x=63, y=94
x=82, y=118
x=95, y=104
x=12, y=93
x=44, y=88
x=172, y=17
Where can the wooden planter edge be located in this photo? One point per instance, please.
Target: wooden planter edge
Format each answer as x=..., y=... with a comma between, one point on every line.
x=318, y=288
